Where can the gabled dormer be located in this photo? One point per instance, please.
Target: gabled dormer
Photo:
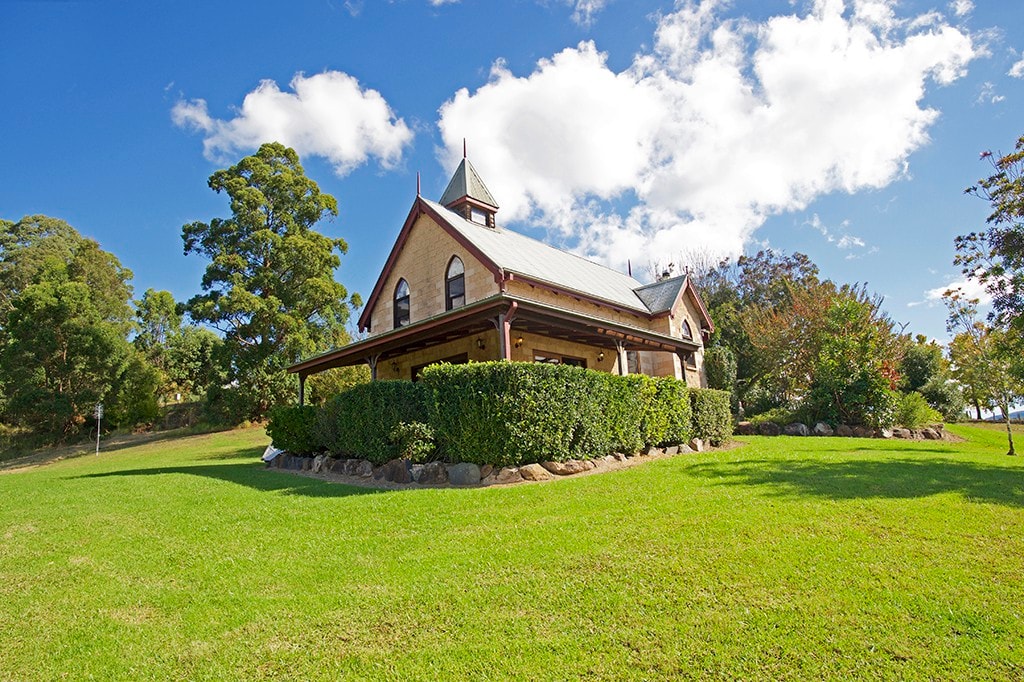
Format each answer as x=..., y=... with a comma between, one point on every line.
x=468, y=196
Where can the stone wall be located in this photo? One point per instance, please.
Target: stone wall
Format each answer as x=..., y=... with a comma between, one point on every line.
x=423, y=263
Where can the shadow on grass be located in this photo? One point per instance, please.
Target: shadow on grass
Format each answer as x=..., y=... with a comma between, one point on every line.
x=253, y=475
x=892, y=479
x=120, y=441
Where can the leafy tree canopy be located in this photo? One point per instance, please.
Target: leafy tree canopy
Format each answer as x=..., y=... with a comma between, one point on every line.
x=270, y=284
x=985, y=357
x=995, y=256
x=66, y=346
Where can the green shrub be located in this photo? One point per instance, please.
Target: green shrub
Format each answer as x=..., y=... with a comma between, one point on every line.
x=720, y=368
x=359, y=421
x=671, y=411
x=626, y=402
x=712, y=421
x=508, y=413
x=294, y=429
x=946, y=397
x=776, y=415
x=413, y=441
x=914, y=411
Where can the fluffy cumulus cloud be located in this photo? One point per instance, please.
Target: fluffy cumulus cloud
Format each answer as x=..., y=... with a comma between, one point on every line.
x=328, y=115
x=723, y=123
x=971, y=288
x=1017, y=70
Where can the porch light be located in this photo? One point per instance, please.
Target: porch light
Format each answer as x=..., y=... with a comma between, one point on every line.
x=600, y=356
x=480, y=344
x=519, y=342
x=394, y=367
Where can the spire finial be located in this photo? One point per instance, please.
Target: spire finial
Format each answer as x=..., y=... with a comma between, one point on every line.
x=417, y=183
x=463, y=147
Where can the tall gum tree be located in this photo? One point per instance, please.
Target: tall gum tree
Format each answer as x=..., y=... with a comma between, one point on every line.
x=270, y=285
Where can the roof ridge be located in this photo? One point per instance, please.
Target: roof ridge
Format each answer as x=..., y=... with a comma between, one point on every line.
x=663, y=281
x=499, y=228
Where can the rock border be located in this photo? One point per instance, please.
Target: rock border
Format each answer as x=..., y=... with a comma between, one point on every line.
x=930, y=432
x=402, y=473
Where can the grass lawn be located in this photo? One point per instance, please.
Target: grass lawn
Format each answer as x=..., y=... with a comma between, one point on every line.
x=785, y=558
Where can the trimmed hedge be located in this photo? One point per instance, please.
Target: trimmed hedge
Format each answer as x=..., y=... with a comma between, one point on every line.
x=359, y=421
x=512, y=413
x=517, y=413
x=294, y=429
x=712, y=421
x=508, y=413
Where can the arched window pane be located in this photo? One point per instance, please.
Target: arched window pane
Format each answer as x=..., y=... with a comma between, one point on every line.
x=401, y=304
x=455, y=285
x=687, y=332
x=456, y=267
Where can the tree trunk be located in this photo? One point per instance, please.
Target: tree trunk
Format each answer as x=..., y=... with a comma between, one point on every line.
x=977, y=408
x=1009, y=431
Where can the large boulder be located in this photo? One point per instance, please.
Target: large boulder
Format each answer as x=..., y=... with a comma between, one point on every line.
x=697, y=445
x=395, y=471
x=318, y=463
x=844, y=430
x=508, y=475
x=573, y=466
x=863, y=432
x=822, y=429
x=671, y=450
x=768, y=429
x=901, y=433
x=796, y=429
x=433, y=473
x=364, y=469
x=465, y=473
x=884, y=433
x=931, y=434
x=534, y=472
x=651, y=450
x=746, y=429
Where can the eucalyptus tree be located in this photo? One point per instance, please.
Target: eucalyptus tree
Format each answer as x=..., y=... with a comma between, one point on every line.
x=269, y=286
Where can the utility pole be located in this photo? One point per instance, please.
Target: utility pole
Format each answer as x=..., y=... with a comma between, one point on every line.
x=99, y=420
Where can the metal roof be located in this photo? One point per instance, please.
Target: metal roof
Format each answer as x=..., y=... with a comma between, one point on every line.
x=517, y=253
x=660, y=296
x=467, y=183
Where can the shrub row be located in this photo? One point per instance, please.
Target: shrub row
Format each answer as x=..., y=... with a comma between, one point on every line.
x=507, y=414
x=358, y=422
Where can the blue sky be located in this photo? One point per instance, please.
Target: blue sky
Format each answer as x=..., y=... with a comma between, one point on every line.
x=641, y=131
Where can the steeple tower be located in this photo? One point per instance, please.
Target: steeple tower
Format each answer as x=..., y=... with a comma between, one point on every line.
x=468, y=196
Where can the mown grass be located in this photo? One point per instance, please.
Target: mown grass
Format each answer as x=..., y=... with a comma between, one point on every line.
x=785, y=558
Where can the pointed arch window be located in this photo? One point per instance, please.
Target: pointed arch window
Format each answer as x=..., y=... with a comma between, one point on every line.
x=401, y=304
x=455, y=284
x=687, y=331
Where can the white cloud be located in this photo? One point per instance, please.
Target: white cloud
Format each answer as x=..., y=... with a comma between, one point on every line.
x=848, y=241
x=327, y=115
x=987, y=94
x=721, y=125
x=962, y=8
x=971, y=288
x=585, y=10
x=1017, y=70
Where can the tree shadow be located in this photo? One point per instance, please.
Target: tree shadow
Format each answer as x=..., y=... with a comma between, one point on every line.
x=120, y=441
x=252, y=475
x=888, y=479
